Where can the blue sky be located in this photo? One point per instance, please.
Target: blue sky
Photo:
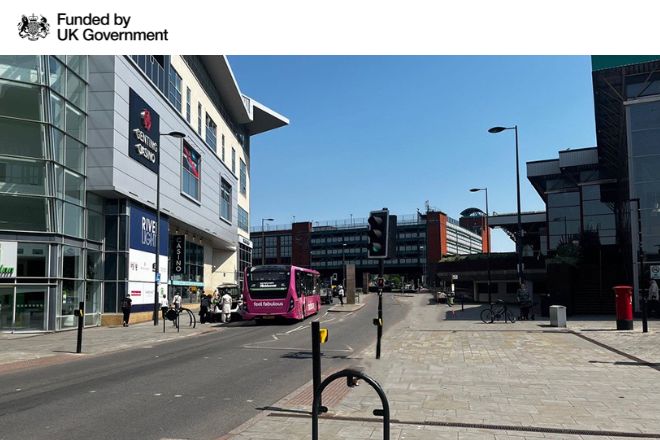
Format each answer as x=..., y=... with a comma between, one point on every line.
x=394, y=131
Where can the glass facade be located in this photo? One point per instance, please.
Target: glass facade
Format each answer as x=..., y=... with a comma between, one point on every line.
x=43, y=121
x=644, y=129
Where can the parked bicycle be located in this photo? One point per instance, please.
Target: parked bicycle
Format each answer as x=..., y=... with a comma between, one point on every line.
x=180, y=316
x=497, y=310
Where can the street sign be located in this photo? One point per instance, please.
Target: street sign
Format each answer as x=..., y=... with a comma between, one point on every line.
x=454, y=277
x=158, y=277
x=153, y=267
x=655, y=272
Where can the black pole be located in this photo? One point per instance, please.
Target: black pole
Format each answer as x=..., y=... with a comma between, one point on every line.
x=81, y=323
x=157, y=269
x=381, y=270
x=521, y=277
x=488, y=240
x=316, y=356
x=640, y=277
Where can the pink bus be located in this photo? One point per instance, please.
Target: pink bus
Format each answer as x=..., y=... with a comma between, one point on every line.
x=280, y=291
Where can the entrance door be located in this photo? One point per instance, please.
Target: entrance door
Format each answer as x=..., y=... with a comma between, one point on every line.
x=30, y=311
x=6, y=308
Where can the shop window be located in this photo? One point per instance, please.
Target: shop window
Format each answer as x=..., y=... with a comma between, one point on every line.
x=72, y=262
x=32, y=260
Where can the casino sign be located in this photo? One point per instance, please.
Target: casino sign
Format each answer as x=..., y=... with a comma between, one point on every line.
x=144, y=129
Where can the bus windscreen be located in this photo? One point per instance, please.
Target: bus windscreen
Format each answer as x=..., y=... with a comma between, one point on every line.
x=268, y=284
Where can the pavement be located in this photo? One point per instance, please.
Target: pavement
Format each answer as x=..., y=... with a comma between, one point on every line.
x=447, y=375
x=21, y=350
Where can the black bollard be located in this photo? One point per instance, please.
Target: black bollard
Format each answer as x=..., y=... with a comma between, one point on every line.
x=80, y=313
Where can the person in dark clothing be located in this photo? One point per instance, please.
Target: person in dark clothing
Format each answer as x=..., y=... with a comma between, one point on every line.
x=126, y=309
x=204, y=305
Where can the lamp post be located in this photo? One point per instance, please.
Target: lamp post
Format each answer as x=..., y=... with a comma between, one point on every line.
x=487, y=239
x=263, y=239
x=556, y=219
x=421, y=253
x=176, y=135
x=521, y=277
x=343, y=264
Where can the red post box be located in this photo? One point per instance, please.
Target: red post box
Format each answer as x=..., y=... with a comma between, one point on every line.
x=624, y=307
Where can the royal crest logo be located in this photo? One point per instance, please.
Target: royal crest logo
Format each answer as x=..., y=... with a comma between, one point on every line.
x=33, y=28
x=145, y=116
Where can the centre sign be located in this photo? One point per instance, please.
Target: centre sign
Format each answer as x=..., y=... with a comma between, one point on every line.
x=144, y=129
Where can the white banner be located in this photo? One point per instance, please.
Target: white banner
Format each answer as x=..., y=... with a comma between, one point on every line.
x=140, y=266
x=8, y=256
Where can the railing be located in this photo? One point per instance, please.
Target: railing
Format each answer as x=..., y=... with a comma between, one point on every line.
x=349, y=223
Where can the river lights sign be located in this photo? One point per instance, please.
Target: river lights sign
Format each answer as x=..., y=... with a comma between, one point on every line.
x=144, y=126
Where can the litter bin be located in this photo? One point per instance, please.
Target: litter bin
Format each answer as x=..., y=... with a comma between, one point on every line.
x=624, y=310
x=558, y=316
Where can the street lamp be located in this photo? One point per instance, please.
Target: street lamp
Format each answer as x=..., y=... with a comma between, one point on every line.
x=263, y=239
x=519, y=235
x=343, y=264
x=176, y=135
x=487, y=239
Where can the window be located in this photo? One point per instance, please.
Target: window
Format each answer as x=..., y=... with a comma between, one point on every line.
x=174, y=91
x=188, y=104
x=233, y=160
x=223, y=147
x=190, y=176
x=211, y=132
x=243, y=219
x=225, y=200
x=243, y=178
x=199, y=118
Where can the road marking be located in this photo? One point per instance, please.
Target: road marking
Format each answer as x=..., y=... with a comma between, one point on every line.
x=300, y=327
x=305, y=349
x=177, y=395
x=157, y=394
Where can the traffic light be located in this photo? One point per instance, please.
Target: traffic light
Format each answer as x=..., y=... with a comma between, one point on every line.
x=378, y=234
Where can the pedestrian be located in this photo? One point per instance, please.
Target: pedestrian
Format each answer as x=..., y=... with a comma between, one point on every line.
x=226, y=301
x=654, y=299
x=341, y=294
x=204, y=305
x=164, y=305
x=126, y=309
x=177, y=301
x=524, y=302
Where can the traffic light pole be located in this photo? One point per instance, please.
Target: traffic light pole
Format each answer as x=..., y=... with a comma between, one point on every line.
x=381, y=270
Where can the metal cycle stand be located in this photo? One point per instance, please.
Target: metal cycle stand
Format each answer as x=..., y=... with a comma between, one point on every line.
x=352, y=377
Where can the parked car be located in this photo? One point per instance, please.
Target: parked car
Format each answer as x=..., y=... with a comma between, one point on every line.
x=236, y=300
